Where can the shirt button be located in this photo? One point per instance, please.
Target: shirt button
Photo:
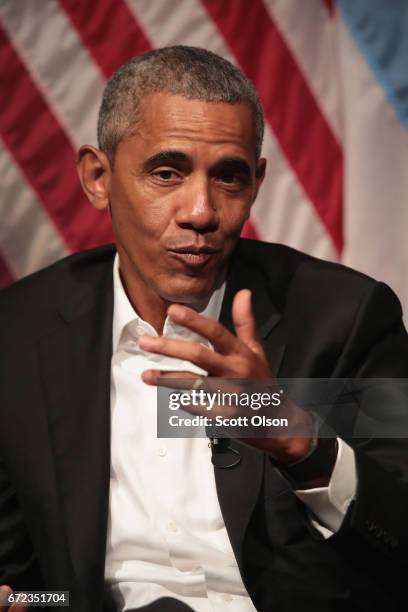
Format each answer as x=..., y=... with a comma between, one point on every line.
x=172, y=527
x=162, y=452
x=226, y=597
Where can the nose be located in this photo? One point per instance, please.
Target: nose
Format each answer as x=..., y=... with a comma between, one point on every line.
x=197, y=208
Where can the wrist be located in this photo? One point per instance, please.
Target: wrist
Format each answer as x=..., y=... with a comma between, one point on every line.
x=286, y=450
x=314, y=469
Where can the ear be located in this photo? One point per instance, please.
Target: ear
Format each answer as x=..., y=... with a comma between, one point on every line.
x=259, y=174
x=259, y=177
x=95, y=175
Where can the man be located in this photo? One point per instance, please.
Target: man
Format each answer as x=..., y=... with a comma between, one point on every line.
x=89, y=495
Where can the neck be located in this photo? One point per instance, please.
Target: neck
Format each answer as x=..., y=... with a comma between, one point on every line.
x=147, y=303
x=150, y=307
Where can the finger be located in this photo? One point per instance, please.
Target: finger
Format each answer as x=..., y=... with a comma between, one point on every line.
x=19, y=608
x=182, y=381
x=222, y=340
x=175, y=380
x=4, y=591
x=244, y=321
x=188, y=381
x=198, y=407
x=194, y=352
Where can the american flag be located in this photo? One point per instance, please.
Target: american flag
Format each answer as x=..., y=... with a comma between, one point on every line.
x=333, y=80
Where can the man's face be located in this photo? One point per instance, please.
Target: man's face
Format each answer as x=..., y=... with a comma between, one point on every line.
x=181, y=188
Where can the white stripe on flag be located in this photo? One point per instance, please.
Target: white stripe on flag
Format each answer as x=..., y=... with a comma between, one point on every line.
x=61, y=66
x=186, y=22
x=28, y=240
x=310, y=33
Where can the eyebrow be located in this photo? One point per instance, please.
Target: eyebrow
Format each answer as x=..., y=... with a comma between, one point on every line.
x=165, y=157
x=236, y=164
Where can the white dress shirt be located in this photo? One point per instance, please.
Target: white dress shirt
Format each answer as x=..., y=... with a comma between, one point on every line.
x=166, y=535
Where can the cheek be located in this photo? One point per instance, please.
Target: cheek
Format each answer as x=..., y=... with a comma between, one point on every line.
x=233, y=217
x=154, y=220
x=136, y=210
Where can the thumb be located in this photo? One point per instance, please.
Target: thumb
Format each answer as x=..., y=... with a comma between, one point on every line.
x=5, y=591
x=244, y=321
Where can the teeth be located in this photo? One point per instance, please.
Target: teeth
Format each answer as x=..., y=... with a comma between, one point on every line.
x=195, y=257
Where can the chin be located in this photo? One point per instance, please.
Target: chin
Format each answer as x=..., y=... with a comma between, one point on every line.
x=188, y=291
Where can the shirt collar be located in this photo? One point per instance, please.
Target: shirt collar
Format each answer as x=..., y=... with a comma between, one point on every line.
x=125, y=316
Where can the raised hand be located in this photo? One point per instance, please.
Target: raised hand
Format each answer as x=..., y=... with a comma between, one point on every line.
x=240, y=356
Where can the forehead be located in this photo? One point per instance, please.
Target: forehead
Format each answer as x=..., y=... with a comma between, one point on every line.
x=166, y=121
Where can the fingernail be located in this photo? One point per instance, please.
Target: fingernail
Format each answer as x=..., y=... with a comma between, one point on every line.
x=176, y=311
x=146, y=376
x=146, y=342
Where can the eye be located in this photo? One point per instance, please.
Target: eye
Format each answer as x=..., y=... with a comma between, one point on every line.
x=231, y=179
x=228, y=177
x=166, y=176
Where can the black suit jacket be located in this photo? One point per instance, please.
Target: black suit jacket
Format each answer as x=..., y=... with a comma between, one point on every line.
x=315, y=319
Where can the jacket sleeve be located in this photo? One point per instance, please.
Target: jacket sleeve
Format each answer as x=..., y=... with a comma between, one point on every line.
x=18, y=565
x=375, y=529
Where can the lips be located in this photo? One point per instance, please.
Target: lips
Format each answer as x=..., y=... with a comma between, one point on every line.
x=194, y=256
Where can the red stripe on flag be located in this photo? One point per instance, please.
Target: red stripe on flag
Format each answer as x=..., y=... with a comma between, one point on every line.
x=249, y=231
x=109, y=30
x=330, y=6
x=45, y=155
x=6, y=277
x=303, y=133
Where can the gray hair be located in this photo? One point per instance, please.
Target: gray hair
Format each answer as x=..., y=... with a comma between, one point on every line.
x=191, y=72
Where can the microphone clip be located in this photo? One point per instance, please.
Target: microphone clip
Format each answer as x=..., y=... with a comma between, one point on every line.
x=224, y=456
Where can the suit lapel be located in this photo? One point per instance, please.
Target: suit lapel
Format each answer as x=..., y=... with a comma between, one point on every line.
x=238, y=487
x=75, y=362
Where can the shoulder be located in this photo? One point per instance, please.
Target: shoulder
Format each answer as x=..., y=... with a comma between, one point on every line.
x=310, y=289
x=295, y=272
x=284, y=262
x=33, y=300
x=328, y=310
